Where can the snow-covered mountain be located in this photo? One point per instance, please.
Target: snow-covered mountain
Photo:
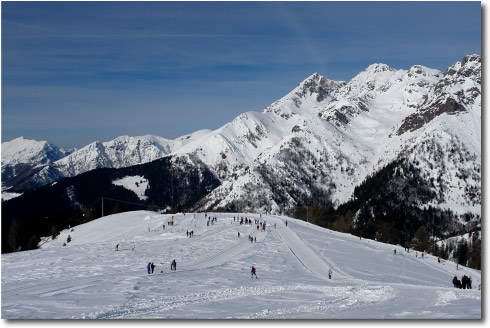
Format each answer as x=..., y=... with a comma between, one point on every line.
x=123, y=151
x=324, y=138
x=80, y=275
x=22, y=150
x=24, y=157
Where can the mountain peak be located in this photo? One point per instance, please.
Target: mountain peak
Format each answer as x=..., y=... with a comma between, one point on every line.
x=470, y=66
x=471, y=59
x=21, y=150
x=317, y=84
x=378, y=68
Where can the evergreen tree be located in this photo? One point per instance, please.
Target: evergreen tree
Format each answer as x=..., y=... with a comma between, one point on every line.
x=421, y=240
x=475, y=255
x=33, y=242
x=117, y=208
x=152, y=207
x=461, y=253
x=13, y=236
x=54, y=232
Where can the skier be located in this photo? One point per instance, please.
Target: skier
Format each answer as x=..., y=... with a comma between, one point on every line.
x=469, y=282
x=329, y=273
x=416, y=254
x=149, y=267
x=422, y=255
x=238, y=234
x=439, y=259
x=255, y=239
x=360, y=237
x=117, y=247
x=187, y=233
x=286, y=223
x=152, y=267
x=253, y=272
x=173, y=266
x=394, y=251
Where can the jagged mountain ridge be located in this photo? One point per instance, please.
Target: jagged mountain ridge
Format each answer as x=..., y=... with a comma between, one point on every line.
x=23, y=157
x=123, y=151
x=325, y=137
x=333, y=138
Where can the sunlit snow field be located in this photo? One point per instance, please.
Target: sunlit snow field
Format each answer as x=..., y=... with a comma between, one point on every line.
x=89, y=279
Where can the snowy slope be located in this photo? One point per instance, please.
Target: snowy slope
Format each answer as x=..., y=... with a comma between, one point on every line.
x=89, y=279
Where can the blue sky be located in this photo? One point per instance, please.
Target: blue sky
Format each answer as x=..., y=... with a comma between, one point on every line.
x=76, y=72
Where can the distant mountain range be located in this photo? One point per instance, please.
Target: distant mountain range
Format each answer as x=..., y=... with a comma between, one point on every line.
x=316, y=144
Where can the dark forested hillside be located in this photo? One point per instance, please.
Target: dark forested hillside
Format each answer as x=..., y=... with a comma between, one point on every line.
x=47, y=210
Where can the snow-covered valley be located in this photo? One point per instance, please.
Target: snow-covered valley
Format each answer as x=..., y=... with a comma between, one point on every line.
x=89, y=279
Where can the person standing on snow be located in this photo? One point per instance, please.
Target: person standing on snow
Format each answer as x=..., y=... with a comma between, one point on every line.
x=117, y=247
x=173, y=266
x=149, y=267
x=329, y=273
x=152, y=267
x=253, y=272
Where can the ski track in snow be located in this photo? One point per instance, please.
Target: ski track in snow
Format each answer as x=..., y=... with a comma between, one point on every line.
x=88, y=280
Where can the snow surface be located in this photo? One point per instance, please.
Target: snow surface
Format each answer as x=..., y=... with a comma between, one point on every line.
x=89, y=279
x=6, y=195
x=136, y=184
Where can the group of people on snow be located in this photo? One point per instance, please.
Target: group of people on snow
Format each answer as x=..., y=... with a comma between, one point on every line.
x=250, y=238
x=245, y=221
x=464, y=283
x=190, y=233
x=151, y=267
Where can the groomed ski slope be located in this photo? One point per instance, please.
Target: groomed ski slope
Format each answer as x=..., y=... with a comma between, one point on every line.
x=89, y=279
